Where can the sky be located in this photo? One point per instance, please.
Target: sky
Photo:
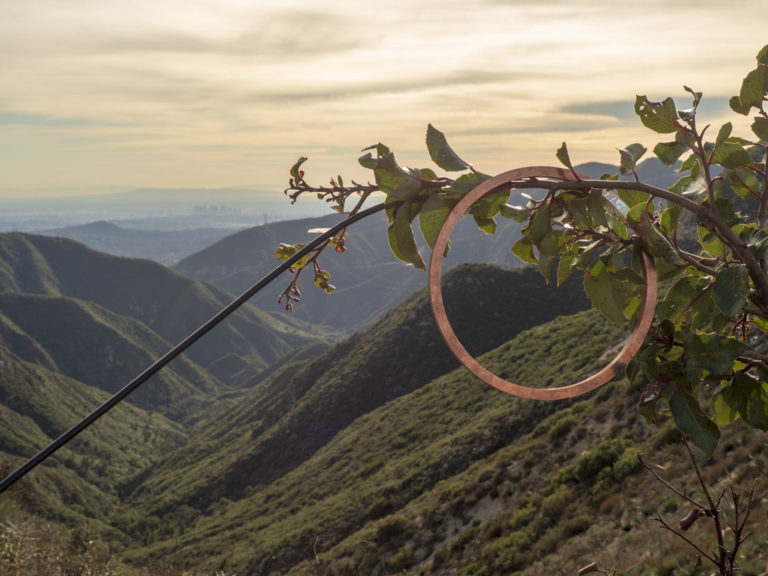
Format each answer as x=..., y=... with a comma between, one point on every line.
x=107, y=94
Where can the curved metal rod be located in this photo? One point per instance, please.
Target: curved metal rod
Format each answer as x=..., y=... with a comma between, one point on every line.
x=438, y=309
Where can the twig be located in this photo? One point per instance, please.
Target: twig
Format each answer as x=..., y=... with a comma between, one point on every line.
x=668, y=485
x=682, y=536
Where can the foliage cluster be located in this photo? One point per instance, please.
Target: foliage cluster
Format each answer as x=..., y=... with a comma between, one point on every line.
x=712, y=319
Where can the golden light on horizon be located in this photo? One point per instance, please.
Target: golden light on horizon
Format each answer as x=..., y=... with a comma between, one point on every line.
x=228, y=93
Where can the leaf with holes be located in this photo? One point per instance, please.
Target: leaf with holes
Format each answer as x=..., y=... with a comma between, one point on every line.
x=660, y=117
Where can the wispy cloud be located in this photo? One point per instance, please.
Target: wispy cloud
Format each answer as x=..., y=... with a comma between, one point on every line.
x=22, y=119
x=157, y=92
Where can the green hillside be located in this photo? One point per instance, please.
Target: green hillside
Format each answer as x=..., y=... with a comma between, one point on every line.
x=167, y=302
x=284, y=419
x=76, y=486
x=458, y=478
x=95, y=346
x=374, y=455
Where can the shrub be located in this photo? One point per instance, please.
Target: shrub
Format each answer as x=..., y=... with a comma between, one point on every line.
x=392, y=527
x=553, y=506
x=562, y=427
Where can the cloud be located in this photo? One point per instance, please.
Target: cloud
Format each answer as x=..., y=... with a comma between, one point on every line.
x=623, y=110
x=284, y=33
x=406, y=83
x=20, y=118
x=618, y=109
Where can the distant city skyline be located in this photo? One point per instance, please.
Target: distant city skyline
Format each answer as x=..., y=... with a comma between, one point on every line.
x=100, y=94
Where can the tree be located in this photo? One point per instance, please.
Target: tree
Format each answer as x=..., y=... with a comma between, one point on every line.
x=704, y=359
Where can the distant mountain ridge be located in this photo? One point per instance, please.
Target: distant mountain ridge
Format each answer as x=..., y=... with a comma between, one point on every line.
x=168, y=303
x=368, y=266
x=164, y=246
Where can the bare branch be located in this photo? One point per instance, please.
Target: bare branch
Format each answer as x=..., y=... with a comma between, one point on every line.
x=668, y=485
x=687, y=540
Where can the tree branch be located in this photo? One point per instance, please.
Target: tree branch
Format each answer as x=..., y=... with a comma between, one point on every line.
x=687, y=540
x=726, y=233
x=668, y=485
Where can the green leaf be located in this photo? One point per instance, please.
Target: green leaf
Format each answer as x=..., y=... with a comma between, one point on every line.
x=545, y=266
x=629, y=157
x=393, y=180
x=731, y=289
x=660, y=117
x=565, y=267
x=723, y=133
x=579, y=211
x=744, y=183
x=738, y=107
x=523, y=249
x=754, y=86
x=489, y=205
x=368, y=161
x=669, y=219
x=607, y=292
x=724, y=411
x=441, y=153
x=516, y=213
x=649, y=411
x=562, y=155
x=693, y=422
x=551, y=244
x=696, y=97
x=427, y=174
x=669, y=152
x=466, y=183
x=711, y=352
x=711, y=242
x=401, y=240
x=731, y=155
x=760, y=128
x=677, y=301
x=651, y=237
x=689, y=187
x=632, y=197
x=487, y=225
x=596, y=209
x=762, y=56
x=751, y=400
x=541, y=225
x=432, y=216
x=296, y=168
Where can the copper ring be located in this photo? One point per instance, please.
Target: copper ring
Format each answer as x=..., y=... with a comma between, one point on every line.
x=616, y=366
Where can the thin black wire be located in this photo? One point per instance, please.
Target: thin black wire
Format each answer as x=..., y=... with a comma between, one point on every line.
x=121, y=394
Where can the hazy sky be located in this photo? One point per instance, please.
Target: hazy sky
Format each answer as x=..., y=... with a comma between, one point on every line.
x=204, y=93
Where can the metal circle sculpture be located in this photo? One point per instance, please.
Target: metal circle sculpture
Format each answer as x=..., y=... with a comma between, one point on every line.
x=438, y=309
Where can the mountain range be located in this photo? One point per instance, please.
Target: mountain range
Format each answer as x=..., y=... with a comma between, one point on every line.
x=280, y=446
